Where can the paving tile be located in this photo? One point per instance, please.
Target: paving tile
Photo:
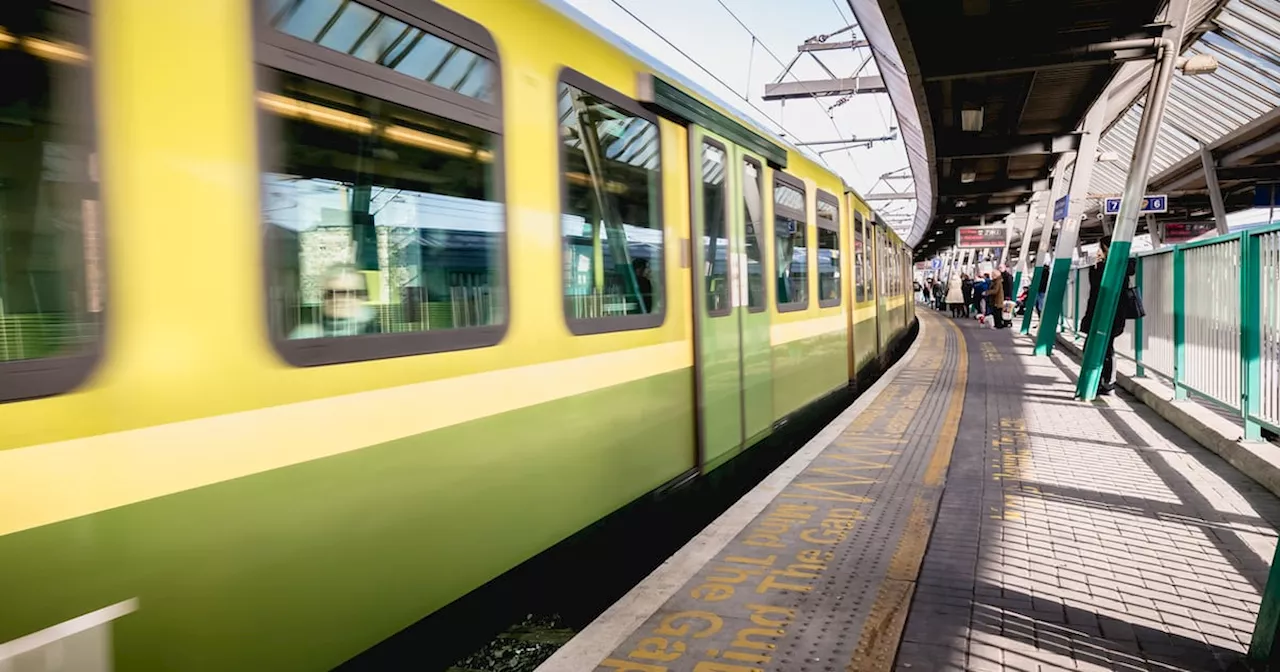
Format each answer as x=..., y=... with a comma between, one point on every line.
x=1123, y=533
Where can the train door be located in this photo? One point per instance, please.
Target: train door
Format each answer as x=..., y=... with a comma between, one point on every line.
x=851, y=284
x=757, y=349
x=881, y=274
x=732, y=334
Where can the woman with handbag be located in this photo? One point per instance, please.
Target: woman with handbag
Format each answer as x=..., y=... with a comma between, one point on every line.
x=1128, y=307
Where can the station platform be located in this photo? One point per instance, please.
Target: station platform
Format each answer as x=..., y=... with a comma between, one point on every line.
x=965, y=514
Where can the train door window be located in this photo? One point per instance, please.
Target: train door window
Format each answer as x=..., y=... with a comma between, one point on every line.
x=382, y=193
x=611, y=209
x=885, y=274
x=897, y=276
x=859, y=259
x=828, y=224
x=890, y=267
x=753, y=209
x=790, y=242
x=717, y=254
x=51, y=265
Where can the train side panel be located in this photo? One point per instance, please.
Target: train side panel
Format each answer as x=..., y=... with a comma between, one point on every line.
x=270, y=516
x=810, y=341
x=273, y=517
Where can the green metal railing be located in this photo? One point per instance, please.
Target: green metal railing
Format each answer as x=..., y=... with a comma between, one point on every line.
x=1212, y=325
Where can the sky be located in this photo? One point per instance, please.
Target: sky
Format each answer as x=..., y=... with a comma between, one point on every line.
x=708, y=33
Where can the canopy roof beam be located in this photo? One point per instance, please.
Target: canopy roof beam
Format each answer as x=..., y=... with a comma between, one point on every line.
x=968, y=147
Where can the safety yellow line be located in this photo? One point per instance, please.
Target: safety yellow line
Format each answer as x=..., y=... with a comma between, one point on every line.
x=878, y=644
x=941, y=459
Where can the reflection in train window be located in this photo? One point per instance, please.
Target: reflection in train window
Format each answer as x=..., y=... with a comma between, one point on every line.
x=828, y=211
x=51, y=275
x=354, y=29
x=792, y=252
x=715, y=237
x=611, y=223
x=860, y=275
x=753, y=212
x=384, y=218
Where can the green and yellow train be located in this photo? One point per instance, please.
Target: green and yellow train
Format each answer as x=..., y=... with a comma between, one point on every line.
x=316, y=315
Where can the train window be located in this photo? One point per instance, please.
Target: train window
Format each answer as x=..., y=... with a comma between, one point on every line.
x=891, y=287
x=753, y=211
x=893, y=268
x=828, y=211
x=790, y=241
x=611, y=209
x=51, y=266
x=716, y=234
x=881, y=287
x=859, y=258
x=376, y=37
x=382, y=192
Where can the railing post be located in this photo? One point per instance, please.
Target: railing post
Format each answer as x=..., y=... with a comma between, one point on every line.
x=1251, y=334
x=1179, y=322
x=1139, y=369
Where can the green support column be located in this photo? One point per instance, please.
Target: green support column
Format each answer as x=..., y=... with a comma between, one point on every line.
x=1262, y=644
x=1131, y=201
x=1069, y=234
x=1031, y=298
x=1052, y=314
x=1046, y=231
x=1024, y=251
x=1251, y=334
x=1137, y=327
x=1095, y=344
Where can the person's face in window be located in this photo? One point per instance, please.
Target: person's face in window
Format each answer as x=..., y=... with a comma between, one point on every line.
x=344, y=295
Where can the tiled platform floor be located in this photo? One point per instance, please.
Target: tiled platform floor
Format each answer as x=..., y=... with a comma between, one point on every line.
x=1077, y=536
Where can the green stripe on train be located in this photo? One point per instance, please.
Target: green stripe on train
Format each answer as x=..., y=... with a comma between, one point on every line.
x=808, y=369
x=303, y=567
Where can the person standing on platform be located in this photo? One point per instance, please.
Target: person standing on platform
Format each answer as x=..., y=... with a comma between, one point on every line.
x=995, y=300
x=966, y=289
x=1123, y=310
x=979, y=295
x=1010, y=292
x=955, y=296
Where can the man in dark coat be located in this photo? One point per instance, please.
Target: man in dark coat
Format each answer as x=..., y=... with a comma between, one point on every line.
x=1118, y=323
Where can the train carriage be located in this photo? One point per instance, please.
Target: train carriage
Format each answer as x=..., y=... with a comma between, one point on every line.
x=316, y=315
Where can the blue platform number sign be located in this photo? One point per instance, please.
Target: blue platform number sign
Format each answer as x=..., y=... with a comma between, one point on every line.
x=937, y=263
x=1151, y=204
x=1060, y=209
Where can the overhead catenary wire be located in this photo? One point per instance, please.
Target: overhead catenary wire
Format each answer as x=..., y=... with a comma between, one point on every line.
x=704, y=68
x=787, y=71
x=836, y=4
